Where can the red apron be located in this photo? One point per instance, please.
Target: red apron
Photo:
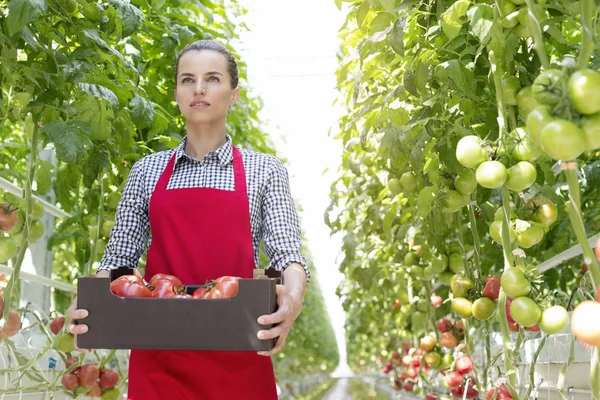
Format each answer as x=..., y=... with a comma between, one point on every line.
x=200, y=234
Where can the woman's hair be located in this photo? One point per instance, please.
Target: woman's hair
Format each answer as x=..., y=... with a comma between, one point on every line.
x=212, y=45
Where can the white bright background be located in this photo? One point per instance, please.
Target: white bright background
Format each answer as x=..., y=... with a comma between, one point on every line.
x=291, y=56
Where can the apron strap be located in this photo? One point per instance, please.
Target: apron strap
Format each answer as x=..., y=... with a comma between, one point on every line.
x=238, y=171
x=165, y=177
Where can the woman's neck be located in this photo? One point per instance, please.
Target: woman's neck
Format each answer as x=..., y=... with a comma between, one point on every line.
x=200, y=142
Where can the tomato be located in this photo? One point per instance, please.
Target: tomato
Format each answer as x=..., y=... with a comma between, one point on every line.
x=507, y=7
x=11, y=325
x=8, y=249
x=432, y=358
x=107, y=227
x=108, y=378
x=408, y=386
x=428, y=273
x=443, y=325
x=436, y=301
x=456, y=263
x=548, y=87
x=526, y=102
x=129, y=286
x=36, y=231
x=521, y=176
x=406, y=360
x=445, y=278
x=411, y=373
x=70, y=381
x=531, y=236
x=542, y=210
x=448, y=340
x=463, y=307
x=501, y=393
x=421, y=304
x=409, y=182
x=165, y=288
x=9, y=216
x=535, y=328
x=513, y=327
x=590, y=126
x=491, y=174
x=462, y=392
x=428, y=343
x=514, y=283
x=554, y=320
x=57, y=324
x=495, y=232
x=454, y=201
x=584, y=91
x=88, y=374
x=165, y=277
x=95, y=391
x=597, y=249
x=523, y=148
x=510, y=86
x=460, y=285
x=454, y=379
x=111, y=394
x=465, y=182
x=464, y=364
x=562, y=140
x=491, y=290
x=411, y=258
x=395, y=186
x=585, y=323
x=525, y=312
x=431, y=396
x=483, y=308
x=439, y=263
x=469, y=151
x=538, y=118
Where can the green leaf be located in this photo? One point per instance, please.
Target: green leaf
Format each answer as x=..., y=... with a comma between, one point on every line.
x=22, y=13
x=388, y=5
x=70, y=139
x=396, y=37
x=425, y=201
x=409, y=81
x=481, y=17
x=460, y=75
x=142, y=111
x=99, y=158
x=95, y=37
x=100, y=92
x=361, y=14
x=381, y=21
x=451, y=18
x=130, y=15
x=43, y=177
x=97, y=113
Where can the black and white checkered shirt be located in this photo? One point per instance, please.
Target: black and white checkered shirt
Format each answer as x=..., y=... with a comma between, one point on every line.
x=273, y=214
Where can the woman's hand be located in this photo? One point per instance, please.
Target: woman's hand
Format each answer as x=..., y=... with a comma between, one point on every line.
x=75, y=314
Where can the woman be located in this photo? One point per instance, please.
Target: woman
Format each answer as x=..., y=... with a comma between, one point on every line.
x=208, y=206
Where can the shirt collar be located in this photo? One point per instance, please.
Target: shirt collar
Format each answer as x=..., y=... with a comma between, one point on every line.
x=224, y=153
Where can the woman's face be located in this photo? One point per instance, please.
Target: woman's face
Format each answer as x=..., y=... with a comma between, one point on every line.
x=203, y=90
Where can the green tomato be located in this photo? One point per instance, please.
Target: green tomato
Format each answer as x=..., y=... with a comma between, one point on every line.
x=456, y=263
x=483, y=308
x=591, y=130
x=538, y=118
x=422, y=305
x=518, y=2
x=526, y=102
x=495, y=232
x=82, y=390
x=491, y=174
x=411, y=258
x=110, y=394
x=445, y=278
x=542, y=210
x=554, y=320
x=548, y=87
x=525, y=312
x=521, y=176
x=523, y=31
x=460, y=285
x=395, y=186
x=510, y=21
x=428, y=273
x=499, y=214
x=530, y=237
x=419, y=319
x=469, y=151
x=562, y=140
x=507, y=7
x=524, y=149
x=36, y=231
x=107, y=227
x=510, y=87
x=584, y=91
x=453, y=201
x=409, y=182
x=465, y=182
x=463, y=307
x=66, y=343
x=514, y=283
x=439, y=263
x=8, y=249
x=19, y=225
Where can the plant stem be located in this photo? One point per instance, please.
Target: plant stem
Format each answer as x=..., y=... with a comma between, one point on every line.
x=476, y=241
x=587, y=34
x=595, y=373
x=510, y=369
x=88, y=267
x=574, y=210
x=538, y=39
x=12, y=292
x=488, y=353
x=461, y=242
x=509, y=259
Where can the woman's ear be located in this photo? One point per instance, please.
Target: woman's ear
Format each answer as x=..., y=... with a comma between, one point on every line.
x=234, y=96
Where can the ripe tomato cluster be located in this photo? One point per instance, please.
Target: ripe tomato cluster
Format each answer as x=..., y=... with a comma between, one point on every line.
x=169, y=286
x=89, y=380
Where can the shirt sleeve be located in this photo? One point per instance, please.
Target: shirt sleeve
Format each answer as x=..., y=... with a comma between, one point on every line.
x=281, y=224
x=128, y=237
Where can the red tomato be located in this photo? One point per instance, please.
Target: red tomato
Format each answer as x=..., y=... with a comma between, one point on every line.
x=129, y=286
x=436, y=301
x=416, y=361
x=178, y=296
x=502, y=393
x=70, y=381
x=443, y=325
x=411, y=373
x=163, y=288
x=108, y=378
x=448, y=340
x=406, y=360
x=597, y=249
x=507, y=307
x=453, y=380
x=513, y=326
x=492, y=287
x=464, y=364
x=8, y=216
x=165, y=277
x=535, y=328
x=471, y=393
x=88, y=374
x=431, y=396
x=57, y=324
x=408, y=386
x=227, y=286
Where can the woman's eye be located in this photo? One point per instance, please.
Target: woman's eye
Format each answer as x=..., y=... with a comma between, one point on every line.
x=186, y=80
x=213, y=79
